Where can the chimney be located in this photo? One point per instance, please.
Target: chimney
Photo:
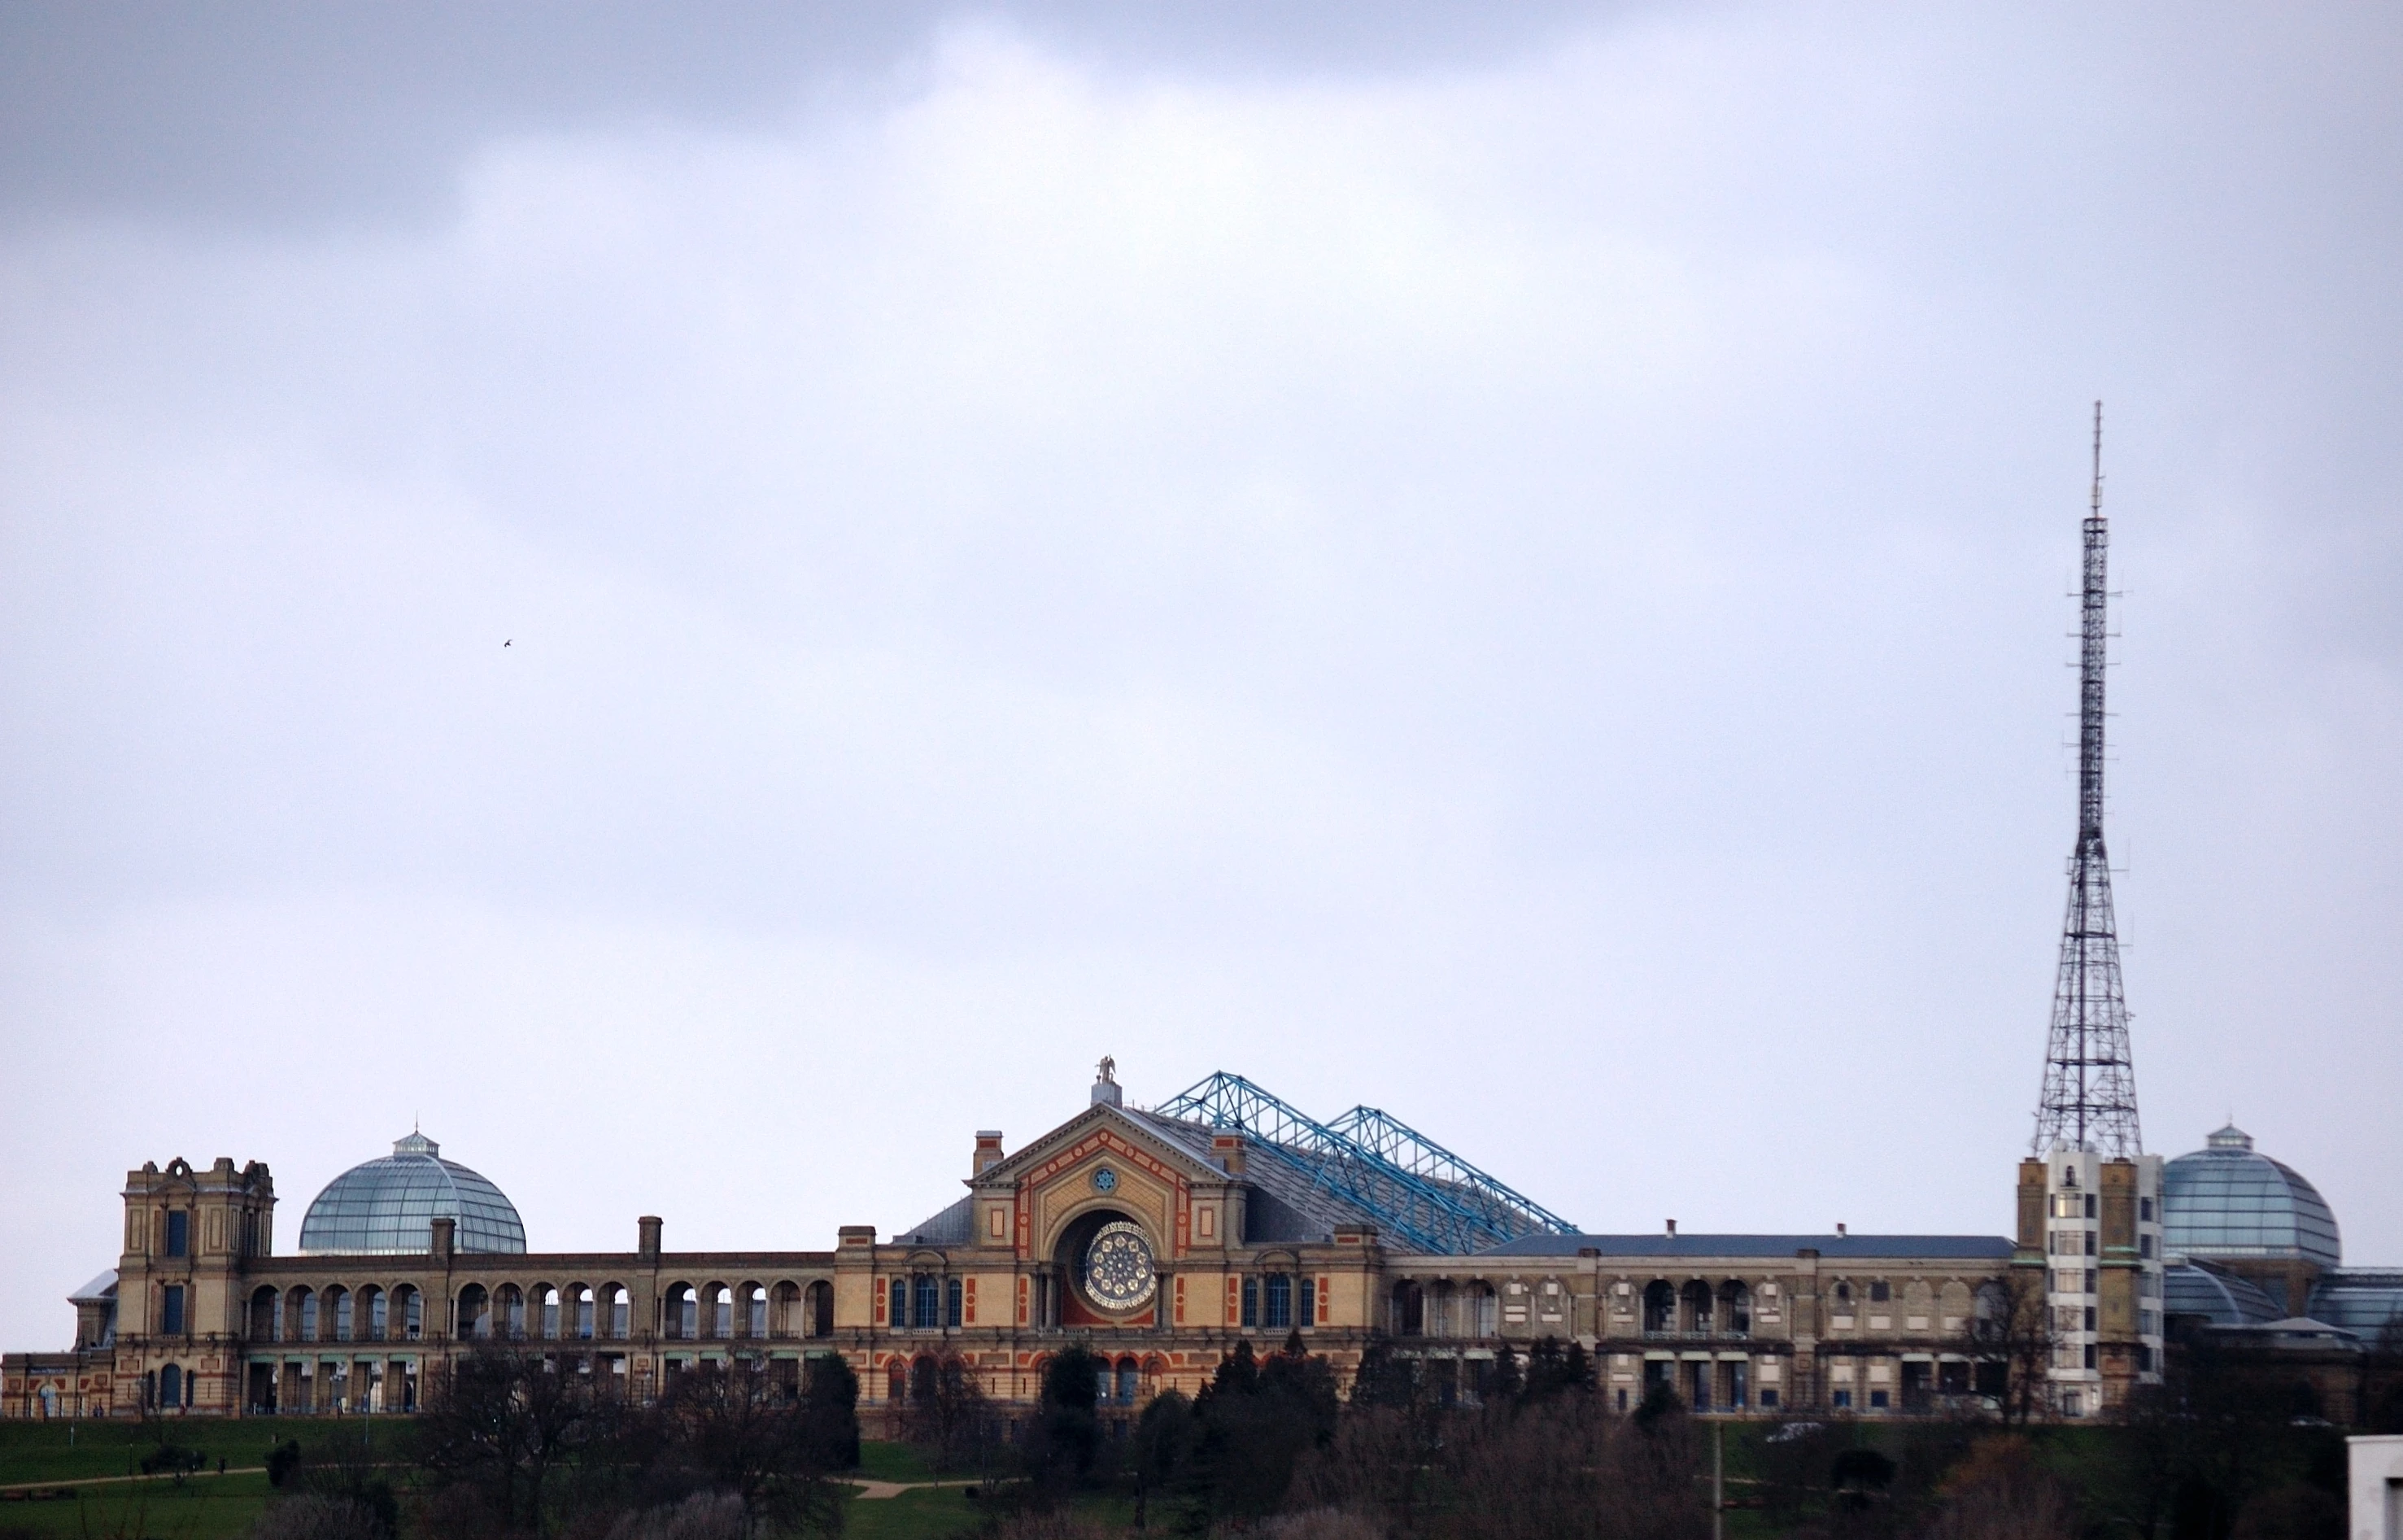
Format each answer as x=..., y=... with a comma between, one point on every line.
x=988, y=1151
x=1228, y=1150
x=1673, y=1228
x=444, y=1229
x=1840, y=1230
x=646, y=1237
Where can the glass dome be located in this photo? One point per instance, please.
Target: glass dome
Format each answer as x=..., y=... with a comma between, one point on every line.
x=388, y=1206
x=2228, y=1201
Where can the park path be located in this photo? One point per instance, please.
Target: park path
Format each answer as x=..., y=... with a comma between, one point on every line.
x=894, y=1489
x=159, y=1476
x=867, y=1489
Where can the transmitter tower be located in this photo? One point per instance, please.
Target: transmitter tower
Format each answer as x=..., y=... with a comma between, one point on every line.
x=2090, y=1080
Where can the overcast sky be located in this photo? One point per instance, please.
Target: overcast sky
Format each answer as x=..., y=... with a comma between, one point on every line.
x=1512, y=571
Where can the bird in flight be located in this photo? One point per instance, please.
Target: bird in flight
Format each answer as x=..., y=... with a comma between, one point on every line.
x=505, y=643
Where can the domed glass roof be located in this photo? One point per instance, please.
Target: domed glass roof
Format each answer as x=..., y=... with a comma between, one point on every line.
x=389, y=1205
x=2228, y=1201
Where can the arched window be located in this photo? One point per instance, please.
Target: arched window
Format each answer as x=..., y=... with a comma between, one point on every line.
x=412, y=1313
x=1129, y=1381
x=1735, y=1308
x=1277, y=1314
x=585, y=1323
x=375, y=1312
x=1843, y=1296
x=512, y=1313
x=1409, y=1309
x=821, y=1312
x=1696, y=1308
x=308, y=1316
x=721, y=1311
x=901, y=1303
x=921, y=1380
x=170, y=1386
x=896, y=1382
x=680, y=1313
x=474, y=1313
x=925, y=1301
x=951, y=1302
x=755, y=1310
x=1659, y=1307
x=549, y=1297
x=266, y=1314
x=621, y=1311
x=338, y=1311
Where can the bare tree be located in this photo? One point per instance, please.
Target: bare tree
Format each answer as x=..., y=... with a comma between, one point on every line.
x=2012, y=1325
x=501, y=1425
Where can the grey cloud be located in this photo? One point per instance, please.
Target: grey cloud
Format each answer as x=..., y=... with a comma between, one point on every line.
x=291, y=116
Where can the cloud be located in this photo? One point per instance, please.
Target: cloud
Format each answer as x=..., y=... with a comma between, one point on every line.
x=1514, y=578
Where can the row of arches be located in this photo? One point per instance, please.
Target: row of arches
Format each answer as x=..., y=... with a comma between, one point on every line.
x=546, y=1312
x=1444, y=1308
x=921, y=1380
x=722, y=1311
x=1697, y=1309
x=337, y=1313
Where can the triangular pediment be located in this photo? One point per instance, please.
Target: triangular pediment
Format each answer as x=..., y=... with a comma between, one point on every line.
x=1099, y=1127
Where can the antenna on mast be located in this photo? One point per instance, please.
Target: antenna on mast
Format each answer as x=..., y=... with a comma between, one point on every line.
x=2089, y=1076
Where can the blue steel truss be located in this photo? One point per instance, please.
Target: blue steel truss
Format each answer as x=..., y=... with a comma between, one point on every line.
x=1447, y=1207
x=1394, y=1142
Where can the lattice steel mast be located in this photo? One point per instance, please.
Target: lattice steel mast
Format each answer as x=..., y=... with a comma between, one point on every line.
x=2090, y=1080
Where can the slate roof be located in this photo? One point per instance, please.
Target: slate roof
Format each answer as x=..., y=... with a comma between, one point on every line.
x=1832, y=1248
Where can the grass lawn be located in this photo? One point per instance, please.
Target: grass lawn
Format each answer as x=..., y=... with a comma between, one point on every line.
x=199, y=1507
x=65, y=1452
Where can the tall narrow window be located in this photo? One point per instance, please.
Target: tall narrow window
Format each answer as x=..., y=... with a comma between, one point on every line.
x=621, y=1311
x=379, y=1314
x=721, y=1312
x=757, y=1311
x=308, y=1316
x=1278, y=1315
x=549, y=1311
x=170, y=1314
x=170, y=1386
x=179, y=1233
x=1251, y=1301
x=413, y=1316
x=1310, y=1301
x=951, y=1302
x=584, y=1323
x=900, y=1306
x=925, y=1301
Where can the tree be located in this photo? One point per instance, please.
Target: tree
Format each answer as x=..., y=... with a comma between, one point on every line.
x=1164, y=1440
x=1065, y=1436
x=2013, y=1326
x=1252, y=1423
x=1555, y=1370
x=732, y=1431
x=949, y=1418
x=499, y=1426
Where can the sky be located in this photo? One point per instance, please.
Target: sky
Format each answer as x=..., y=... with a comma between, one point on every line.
x=704, y=601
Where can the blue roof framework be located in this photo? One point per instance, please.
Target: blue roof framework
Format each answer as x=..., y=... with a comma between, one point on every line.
x=1427, y=1198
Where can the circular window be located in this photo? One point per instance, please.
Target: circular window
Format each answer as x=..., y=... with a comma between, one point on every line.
x=1105, y=1180
x=1117, y=1266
